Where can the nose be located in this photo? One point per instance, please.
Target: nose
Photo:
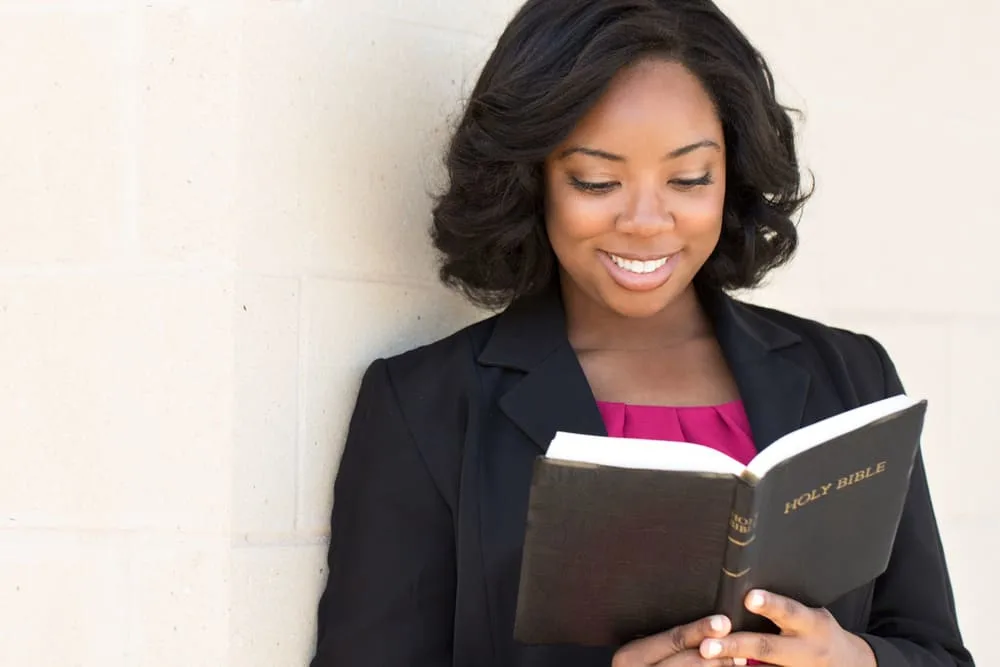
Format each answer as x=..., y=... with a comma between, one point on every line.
x=646, y=213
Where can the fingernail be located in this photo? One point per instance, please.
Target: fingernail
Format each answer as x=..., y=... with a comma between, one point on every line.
x=755, y=600
x=712, y=649
x=718, y=623
x=740, y=661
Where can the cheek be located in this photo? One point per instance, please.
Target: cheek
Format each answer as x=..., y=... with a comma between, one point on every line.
x=700, y=218
x=573, y=217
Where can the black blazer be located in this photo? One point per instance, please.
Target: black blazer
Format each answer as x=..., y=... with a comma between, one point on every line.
x=431, y=494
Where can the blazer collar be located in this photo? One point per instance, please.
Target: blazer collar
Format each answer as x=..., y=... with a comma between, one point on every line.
x=530, y=337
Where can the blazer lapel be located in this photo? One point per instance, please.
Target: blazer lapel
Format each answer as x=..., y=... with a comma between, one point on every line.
x=553, y=395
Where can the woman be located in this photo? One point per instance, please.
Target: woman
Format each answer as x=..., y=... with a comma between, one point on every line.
x=621, y=164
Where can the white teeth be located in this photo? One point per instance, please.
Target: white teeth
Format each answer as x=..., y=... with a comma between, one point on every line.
x=638, y=266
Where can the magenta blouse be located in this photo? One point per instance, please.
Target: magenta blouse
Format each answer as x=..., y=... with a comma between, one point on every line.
x=724, y=427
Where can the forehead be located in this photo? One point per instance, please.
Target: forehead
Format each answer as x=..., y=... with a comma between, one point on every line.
x=655, y=103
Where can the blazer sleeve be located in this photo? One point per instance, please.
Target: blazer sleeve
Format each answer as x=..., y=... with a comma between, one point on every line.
x=913, y=620
x=389, y=597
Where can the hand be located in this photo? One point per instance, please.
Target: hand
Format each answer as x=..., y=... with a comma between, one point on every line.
x=809, y=638
x=677, y=647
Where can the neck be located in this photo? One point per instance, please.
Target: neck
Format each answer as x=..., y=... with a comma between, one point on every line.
x=593, y=326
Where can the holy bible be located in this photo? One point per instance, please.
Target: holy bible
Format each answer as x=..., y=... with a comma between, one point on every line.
x=627, y=538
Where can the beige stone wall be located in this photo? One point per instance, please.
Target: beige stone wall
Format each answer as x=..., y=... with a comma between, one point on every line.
x=212, y=216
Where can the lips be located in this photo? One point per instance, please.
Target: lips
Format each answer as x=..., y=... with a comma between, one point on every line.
x=639, y=274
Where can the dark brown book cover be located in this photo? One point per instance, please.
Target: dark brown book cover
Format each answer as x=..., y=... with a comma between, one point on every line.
x=616, y=553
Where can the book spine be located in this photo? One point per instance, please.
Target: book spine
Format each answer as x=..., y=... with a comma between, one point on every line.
x=738, y=562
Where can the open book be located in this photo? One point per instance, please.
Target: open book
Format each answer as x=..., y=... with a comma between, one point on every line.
x=629, y=537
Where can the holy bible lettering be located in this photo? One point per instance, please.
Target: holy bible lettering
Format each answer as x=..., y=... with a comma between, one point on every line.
x=741, y=524
x=842, y=483
x=861, y=475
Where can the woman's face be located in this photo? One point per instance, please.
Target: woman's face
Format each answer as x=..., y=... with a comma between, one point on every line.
x=634, y=196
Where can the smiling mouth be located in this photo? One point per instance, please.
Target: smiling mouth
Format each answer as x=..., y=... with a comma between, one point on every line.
x=637, y=265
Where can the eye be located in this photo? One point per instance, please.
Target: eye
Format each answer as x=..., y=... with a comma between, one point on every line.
x=692, y=183
x=593, y=187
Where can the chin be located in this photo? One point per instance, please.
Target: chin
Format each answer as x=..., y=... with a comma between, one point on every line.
x=639, y=304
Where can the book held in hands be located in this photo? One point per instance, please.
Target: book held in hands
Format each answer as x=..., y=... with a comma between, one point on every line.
x=627, y=538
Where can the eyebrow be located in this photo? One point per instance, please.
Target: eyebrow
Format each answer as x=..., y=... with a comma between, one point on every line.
x=672, y=155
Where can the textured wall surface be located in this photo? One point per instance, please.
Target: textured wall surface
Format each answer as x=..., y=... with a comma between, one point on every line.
x=213, y=215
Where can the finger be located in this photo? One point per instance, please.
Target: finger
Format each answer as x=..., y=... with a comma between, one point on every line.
x=788, y=614
x=650, y=650
x=763, y=648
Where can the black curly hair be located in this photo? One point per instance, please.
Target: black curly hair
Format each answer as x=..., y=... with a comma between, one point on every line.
x=550, y=66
